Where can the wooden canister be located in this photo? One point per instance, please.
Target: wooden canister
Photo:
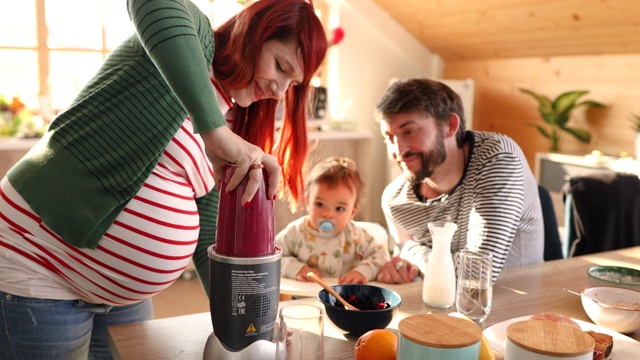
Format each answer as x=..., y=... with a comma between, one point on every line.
x=435, y=336
x=546, y=340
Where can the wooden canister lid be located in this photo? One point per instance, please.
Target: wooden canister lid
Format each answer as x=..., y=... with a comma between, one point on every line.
x=550, y=338
x=439, y=331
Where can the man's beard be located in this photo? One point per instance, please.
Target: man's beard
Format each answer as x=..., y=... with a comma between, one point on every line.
x=429, y=162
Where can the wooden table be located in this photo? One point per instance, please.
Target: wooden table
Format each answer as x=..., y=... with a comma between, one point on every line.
x=518, y=292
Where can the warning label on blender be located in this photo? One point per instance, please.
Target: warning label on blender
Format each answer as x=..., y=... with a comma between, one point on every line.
x=249, y=282
x=246, y=284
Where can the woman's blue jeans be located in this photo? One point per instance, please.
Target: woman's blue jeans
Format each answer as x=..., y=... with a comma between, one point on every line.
x=35, y=329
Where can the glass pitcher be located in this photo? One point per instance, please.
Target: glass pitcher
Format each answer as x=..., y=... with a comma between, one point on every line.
x=439, y=286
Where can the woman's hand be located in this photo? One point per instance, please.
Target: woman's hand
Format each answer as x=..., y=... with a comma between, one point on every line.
x=224, y=146
x=398, y=271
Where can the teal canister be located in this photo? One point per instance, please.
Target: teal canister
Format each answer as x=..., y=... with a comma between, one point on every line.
x=438, y=337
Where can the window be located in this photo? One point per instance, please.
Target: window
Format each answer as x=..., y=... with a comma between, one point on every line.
x=48, y=52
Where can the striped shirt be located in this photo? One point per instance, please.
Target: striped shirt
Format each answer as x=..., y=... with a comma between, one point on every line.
x=496, y=207
x=143, y=252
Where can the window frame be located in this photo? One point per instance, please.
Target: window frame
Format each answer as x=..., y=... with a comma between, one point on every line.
x=43, y=51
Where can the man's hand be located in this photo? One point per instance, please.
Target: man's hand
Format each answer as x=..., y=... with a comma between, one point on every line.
x=398, y=271
x=352, y=277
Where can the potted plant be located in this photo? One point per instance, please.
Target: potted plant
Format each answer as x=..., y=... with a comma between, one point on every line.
x=557, y=114
x=635, y=120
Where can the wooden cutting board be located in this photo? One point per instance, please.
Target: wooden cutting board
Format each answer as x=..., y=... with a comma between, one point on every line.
x=550, y=338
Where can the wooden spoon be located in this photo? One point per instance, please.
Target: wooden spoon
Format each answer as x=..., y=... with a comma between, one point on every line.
x=326, y=286
x=602, y=304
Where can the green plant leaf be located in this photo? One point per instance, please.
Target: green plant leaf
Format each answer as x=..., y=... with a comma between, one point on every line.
x=635, y=121
x=566, y=101
x=544, y=102
x=580, y=134
x=543, y=131
x=556, y=118
x=558, y=113
x=590, y=103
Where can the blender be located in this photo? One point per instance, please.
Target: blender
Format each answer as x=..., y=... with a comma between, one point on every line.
x=244, y=276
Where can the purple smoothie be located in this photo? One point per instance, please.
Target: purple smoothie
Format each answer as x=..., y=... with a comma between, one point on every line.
x=245, y=232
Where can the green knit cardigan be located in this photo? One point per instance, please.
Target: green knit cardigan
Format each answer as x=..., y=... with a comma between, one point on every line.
x=97, y=154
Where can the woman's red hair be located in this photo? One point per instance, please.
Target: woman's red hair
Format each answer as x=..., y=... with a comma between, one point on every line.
x=238, y=45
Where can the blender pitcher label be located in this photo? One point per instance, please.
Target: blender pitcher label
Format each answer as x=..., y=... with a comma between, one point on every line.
x=245, y=282
x=244, y=298
x=247, y=285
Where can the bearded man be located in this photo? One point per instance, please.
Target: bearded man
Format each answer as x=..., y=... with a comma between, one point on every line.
x=478, y=180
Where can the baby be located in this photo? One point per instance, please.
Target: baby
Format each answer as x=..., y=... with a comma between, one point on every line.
x=326, y=241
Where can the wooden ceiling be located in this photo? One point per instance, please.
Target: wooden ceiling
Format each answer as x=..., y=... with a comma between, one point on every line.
x=477, y=29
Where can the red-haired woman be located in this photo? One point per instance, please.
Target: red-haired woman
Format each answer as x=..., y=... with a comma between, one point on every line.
x=110, y=206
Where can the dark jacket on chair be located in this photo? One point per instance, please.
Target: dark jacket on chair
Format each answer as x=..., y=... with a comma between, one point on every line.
x=605, y=212
x=552, y=244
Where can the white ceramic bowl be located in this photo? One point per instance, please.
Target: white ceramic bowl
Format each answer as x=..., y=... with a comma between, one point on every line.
x=616, y=276
x=624, y=314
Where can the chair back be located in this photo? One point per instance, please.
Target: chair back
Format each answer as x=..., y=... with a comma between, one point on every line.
x=603, y=212
x=377, y=231
x=552, y=244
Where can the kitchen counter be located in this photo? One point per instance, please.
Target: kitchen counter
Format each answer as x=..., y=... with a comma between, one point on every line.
x=11, y=150
x=339, y=143
x=10, y=144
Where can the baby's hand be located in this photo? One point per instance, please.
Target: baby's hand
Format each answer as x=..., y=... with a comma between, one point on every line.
x=352, y=277
x=302, y=274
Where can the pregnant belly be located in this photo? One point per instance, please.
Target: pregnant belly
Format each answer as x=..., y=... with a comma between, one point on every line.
x=143, y=252
x=146, y=249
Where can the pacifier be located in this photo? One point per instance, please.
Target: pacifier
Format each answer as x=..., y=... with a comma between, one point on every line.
x=326, y=227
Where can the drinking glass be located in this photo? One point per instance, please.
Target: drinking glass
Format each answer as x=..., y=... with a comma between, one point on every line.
x=474, y=292
x=300, y=333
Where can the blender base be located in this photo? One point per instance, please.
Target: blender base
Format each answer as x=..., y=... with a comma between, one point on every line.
x=215, y=350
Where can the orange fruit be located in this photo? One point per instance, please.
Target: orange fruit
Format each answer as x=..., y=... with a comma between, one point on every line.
x=377, y=344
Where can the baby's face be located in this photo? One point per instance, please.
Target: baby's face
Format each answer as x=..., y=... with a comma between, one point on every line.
x=334, y=203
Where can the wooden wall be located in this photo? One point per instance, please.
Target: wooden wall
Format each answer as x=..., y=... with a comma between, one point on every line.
x=499, y=106
x=355, y=147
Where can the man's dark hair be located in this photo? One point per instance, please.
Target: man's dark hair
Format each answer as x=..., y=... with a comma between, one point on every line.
x=425, y=96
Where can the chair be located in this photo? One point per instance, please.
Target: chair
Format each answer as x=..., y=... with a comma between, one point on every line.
x=552, y=244
x=377, y=231
x=603, y=212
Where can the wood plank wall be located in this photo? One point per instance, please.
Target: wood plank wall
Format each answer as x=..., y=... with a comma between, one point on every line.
x=472, y=29
x=499, y=106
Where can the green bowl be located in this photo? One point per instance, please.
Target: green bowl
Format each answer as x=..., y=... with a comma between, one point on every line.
x=616, y=276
